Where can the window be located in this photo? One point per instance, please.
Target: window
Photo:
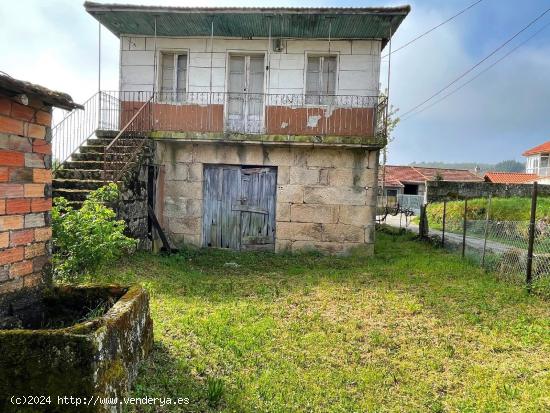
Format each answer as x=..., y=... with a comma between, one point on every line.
x=320, y=79
x=410, y=189
x=173, y=76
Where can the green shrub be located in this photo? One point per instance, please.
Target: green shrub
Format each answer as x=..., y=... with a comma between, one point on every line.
x=86, y=238
x=502, y=209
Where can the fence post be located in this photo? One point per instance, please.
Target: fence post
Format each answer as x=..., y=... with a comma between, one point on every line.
x=464, y=229
x=529, y=275
x=486, y=231
x=444, y=221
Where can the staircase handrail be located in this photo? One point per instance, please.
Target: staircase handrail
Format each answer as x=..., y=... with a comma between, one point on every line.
x=115, y=140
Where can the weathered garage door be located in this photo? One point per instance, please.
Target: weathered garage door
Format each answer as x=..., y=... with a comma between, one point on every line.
x=239, y=207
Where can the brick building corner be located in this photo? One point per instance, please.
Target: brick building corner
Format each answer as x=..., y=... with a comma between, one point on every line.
x=25, y=181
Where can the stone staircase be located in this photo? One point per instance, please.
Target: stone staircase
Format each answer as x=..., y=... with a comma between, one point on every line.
x=83, y=172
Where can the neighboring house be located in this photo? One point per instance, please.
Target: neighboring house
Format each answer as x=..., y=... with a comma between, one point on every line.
x=537, y=168
x=510, y=177
x=538, y=160
x=411, y=180
x=264, y=121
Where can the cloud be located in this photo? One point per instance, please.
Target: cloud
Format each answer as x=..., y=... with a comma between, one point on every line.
x=497, y=116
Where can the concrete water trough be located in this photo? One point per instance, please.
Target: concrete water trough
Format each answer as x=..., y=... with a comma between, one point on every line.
x=83, y=342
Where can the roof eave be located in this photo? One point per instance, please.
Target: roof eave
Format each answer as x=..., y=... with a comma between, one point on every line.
x=395, y=16
x=106, y=7
x=13, y=87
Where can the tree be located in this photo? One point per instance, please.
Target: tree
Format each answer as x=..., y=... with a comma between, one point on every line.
x=390, y=122
x=510, y=166
x=387, y=123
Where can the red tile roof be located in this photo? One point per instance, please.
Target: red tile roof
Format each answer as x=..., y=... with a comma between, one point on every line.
x=416, y=175
x=510, y=177
x=545, y=147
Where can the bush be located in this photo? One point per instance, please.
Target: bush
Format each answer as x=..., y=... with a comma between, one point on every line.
x=502, y=209
x=86, y=238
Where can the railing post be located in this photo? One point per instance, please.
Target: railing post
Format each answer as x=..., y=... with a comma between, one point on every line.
x=464, y=228
x=444, y=222
x=529, y=270
x=99, y=110
x=486, y=231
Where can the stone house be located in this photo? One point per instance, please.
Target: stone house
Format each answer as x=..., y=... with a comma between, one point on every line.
x=265, y=122
x=411, y=180
x=407, y=184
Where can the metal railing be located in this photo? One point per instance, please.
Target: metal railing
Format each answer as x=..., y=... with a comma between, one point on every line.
x=253, y=113
x=74, y=129
x=412, y=202
x=220, y=112
x=128, y=144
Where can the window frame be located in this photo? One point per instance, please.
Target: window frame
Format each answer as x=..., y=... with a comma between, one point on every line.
x=321, y=55
x=176, y=53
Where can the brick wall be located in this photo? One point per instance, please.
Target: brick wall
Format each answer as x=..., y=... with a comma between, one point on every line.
x=25, y=192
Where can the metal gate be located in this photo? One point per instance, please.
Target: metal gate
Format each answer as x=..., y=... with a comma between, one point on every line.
x=239, y=207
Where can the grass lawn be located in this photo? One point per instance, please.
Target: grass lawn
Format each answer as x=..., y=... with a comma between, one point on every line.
x=413, y=329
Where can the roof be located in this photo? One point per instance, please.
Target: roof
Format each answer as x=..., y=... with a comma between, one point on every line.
x=419, y=175
x=275, y=22
x=545, y=147
x=13, y=87
x=510, y=177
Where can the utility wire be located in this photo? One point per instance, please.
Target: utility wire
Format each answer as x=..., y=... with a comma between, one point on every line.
x=433, y=28
x=479, y=74
x=478, y=63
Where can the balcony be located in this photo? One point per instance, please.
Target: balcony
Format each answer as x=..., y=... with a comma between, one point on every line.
x=246, y=113
x=540, y=171
x=345, y=120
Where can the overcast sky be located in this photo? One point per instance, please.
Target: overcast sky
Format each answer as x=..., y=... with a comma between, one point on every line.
x=497, y=116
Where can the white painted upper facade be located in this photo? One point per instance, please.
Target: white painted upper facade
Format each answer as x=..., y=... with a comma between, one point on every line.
x=357, y=63
x=538, y=164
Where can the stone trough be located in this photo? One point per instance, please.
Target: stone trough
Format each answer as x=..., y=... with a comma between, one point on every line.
x=85, y=342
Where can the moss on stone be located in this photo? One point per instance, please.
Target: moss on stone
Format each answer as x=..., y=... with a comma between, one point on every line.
x=352, y=141
x=96, y=357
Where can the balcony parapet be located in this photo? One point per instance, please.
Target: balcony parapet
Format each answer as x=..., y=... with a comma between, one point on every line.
x=346, y=120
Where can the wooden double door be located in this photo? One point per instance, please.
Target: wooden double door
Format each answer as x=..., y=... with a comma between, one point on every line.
x=239, y=207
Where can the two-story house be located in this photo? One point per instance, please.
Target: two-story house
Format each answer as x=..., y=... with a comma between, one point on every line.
x=538, y=160
x=267, y=122
x=537, y=168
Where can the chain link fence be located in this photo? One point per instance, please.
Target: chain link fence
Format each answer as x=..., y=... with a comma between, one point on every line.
x=495, y=233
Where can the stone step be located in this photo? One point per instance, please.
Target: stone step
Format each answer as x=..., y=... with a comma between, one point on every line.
x=71, y=194
x=93, y=174
x=106, y=133
x=113, y=134
x=88, y=184
x=87, y=157
x=101, y=149
x=114, y=154
x=106, y=141
x=87, y=165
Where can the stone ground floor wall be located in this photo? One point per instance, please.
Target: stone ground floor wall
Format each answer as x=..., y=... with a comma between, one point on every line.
x=326, y=197
x=134, y=194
